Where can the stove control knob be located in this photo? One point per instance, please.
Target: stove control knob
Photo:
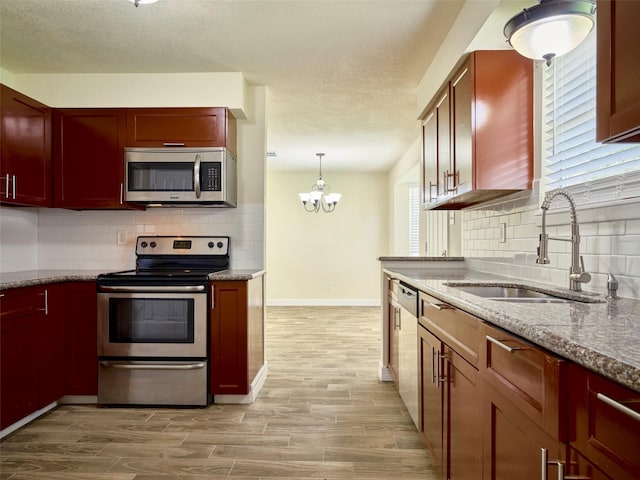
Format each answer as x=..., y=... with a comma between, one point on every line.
x=220, y=244
x=143, y=244
x=153, y=244
x=211, y=244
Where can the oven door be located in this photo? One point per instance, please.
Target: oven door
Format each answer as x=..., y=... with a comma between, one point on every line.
x=153, y=323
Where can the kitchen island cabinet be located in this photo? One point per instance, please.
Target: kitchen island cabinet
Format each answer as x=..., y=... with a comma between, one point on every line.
x=88, y=158
x=618, y=69
x=25, y=150
x=236, y=339
x=182, y=127
x=478, y=132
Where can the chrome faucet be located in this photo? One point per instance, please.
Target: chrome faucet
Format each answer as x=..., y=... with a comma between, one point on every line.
x=577, y=275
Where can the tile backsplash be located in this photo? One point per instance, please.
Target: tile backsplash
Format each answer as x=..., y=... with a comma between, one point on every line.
x=65, y=239
x=606, y=246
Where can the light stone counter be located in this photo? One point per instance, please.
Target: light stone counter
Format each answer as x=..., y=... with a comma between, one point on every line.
x=30, y=278
x=603, y=337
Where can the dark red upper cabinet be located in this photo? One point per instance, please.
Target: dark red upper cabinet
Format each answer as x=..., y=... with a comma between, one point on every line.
x=182, y=127
x=89, y=158
x=618, y=70
x=25, y=158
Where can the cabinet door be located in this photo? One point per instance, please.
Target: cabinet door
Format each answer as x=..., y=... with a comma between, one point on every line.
x=618, y=69
x=605, y=418
x=228, y=368
x=19, y=321
x=51, y=346
x=430, y=354
x=460, y=179
x=25, y=158
x=185, y=127
x=430, y=158
x=445, y=165
x=89, y=158
x=503, y=120
x=81, y=344
x=514, y=447
x=579, y=468
x=463, y=426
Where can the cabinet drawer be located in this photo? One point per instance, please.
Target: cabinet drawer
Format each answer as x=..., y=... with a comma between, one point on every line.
x=532, y=379
x=21, y=301
x=454, y=327
x=605, y=423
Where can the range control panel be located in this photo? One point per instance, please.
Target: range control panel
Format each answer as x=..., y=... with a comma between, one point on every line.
x=182, y=245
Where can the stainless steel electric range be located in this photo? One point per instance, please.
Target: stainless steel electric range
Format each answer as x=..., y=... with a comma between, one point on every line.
x=153, y=323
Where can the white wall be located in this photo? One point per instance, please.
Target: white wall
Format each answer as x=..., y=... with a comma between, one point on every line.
x=326, y=259
x=87, y=239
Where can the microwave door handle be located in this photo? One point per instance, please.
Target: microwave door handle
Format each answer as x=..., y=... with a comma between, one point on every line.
x=196, y=176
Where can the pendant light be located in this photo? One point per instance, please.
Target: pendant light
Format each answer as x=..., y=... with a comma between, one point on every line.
x=550, y=29
x=142, y=2
x=319, y=197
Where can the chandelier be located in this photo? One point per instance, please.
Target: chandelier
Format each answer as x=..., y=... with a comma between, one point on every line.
x=319, y=198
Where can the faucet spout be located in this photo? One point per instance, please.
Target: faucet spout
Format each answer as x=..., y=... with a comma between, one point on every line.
x=577, y=274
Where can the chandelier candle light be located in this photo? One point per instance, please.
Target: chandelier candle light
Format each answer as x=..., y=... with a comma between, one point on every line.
x=319, y=198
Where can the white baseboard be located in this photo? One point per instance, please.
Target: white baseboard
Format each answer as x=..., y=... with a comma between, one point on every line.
x=384, y=374
x=323, y=302
x=254, y=390
x=29, y=418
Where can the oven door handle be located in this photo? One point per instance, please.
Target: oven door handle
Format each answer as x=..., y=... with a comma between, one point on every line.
x=154, y=366
x=156, y=289
x=196, y=177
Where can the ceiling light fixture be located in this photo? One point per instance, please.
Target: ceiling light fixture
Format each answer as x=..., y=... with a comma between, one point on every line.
x=550, y=29
x=142, y=2
x=319, y=197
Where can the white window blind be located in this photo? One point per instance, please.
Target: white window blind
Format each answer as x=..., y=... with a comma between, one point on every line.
x=595, y=173
x=414, y=219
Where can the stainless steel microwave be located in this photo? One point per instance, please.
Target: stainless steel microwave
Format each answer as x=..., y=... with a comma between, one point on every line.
x=181, y=177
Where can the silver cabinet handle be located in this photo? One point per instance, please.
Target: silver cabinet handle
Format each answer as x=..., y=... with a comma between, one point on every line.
x=142, y=289
x=502, y=345
x=46, y=302
x=6, y=186
x=13, y=187
x=173, y=144
x=196, y=176
x=618, y=406
x=213, y=297
x=154, y=366
x=544, y=463
x=433, y=365
x=442, y=306
x=121, y=193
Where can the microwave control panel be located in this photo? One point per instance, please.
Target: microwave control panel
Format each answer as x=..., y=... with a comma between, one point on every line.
x=211, y=176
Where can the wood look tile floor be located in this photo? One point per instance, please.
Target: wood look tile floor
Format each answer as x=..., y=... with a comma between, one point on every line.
x=322, y=414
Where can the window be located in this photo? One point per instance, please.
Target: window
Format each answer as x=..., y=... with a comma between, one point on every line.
x=414, y=219
x=594, y=173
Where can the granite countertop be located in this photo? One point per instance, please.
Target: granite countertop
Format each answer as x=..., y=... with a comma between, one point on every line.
x=30, y=278
x=603, y=337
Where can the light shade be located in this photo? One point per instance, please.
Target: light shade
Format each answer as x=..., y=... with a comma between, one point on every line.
x=142, y=2
x=550, y=29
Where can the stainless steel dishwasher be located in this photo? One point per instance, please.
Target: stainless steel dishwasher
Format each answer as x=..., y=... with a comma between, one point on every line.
x=408, y=349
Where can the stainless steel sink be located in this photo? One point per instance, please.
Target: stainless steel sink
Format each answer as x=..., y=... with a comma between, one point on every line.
x=510, y=294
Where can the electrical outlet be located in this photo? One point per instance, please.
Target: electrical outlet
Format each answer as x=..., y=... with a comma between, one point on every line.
x=121, y=237
x=503, y=233
x=327, y=286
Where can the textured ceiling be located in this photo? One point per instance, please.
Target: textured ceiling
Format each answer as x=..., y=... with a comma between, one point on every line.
x=341, y=75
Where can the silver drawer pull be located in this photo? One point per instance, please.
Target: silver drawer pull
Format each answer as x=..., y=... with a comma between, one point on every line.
x=618, y=406
x=502, y=345
x=154, y=366
x=173, y=144
x=442, y=306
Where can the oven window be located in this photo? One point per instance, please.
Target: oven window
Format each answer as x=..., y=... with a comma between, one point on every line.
x=160, y=177
x=151, y=320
